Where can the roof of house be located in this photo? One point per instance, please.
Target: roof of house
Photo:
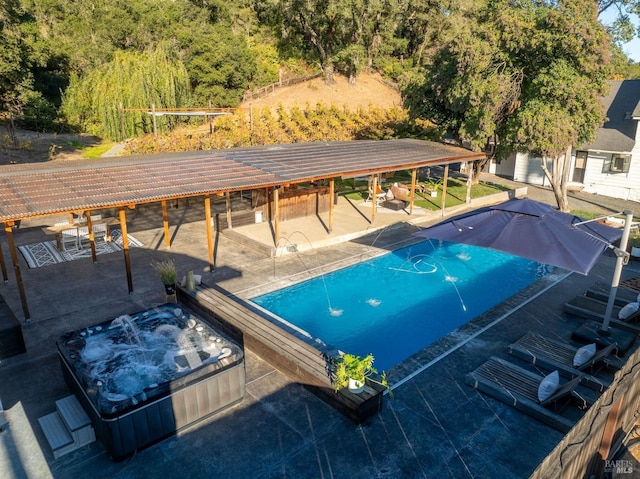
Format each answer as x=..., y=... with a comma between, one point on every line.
x=44, y=189
x=622, y=106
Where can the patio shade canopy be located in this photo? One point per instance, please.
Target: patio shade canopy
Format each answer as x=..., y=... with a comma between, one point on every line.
x=41, y=189
x=530, y=229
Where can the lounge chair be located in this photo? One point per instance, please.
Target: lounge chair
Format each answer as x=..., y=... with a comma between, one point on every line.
x=592, y=309
x=600, y=291
x=551, y=355
x=518, y=388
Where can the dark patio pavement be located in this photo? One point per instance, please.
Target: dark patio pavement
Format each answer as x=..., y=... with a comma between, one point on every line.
x=434, y=426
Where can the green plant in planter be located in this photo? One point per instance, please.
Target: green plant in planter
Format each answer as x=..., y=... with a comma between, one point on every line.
x=351, y=371
x=633, y=245
x=167, y=271
x=433, y=184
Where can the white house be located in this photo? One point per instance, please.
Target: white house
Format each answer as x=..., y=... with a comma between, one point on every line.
x=608, y=166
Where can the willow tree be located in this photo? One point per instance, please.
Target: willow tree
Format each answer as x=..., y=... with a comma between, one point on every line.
x=133, y=80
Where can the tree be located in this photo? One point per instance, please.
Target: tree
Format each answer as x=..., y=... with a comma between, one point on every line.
x=132, y=79
x=525, y=76
x=220, y=65
x=622, y=30
x=26, y=71
x=345, y=35
x=325, y=24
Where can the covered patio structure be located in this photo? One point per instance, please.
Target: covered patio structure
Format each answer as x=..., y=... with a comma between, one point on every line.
x=80, y=187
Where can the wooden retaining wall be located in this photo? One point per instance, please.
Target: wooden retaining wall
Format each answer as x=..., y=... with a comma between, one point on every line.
x=594, y=440
x=285, y=350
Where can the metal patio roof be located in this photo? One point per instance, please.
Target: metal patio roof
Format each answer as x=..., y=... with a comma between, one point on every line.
x=41, y=189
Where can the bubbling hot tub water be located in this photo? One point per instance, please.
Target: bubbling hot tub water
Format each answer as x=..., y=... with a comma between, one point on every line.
x=135, y=362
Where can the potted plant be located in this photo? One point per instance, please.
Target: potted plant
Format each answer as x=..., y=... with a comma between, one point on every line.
x=634, y=243
x=352, y=372
x=432, y=186
x=167, y=271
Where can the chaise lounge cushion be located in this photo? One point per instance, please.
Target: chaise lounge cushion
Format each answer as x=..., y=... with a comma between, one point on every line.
x=628, y=310
x=548, y=386
x=584, y=354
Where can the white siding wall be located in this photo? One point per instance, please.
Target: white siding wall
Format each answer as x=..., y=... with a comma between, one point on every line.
x=505, y=168
x=528, y=169
x=617, y=185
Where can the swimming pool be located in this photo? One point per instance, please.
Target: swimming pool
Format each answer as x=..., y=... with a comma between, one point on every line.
x=397, y=304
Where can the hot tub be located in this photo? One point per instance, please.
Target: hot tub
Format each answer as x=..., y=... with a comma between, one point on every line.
x=143, y=377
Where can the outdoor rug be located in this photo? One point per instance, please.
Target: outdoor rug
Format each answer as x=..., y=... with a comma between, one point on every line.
x=46, y=253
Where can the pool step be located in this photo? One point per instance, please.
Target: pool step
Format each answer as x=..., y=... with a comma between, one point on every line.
x=68, y=428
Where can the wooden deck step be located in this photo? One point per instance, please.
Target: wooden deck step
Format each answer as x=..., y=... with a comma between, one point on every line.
x=57, y=434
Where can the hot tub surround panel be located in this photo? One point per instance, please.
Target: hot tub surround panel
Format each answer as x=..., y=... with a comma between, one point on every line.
x=160, y=410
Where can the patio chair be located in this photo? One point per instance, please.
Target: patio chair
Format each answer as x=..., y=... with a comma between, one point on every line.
x=99, y=235
x=68, y=238
x=379, y=195
x=518, y=387
x=556, y=355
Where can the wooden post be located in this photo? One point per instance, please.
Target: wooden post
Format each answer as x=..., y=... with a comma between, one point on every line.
x=268, y=200
x=3, y=266
x=276, y=214
x=165, y=224
x=153, y=120
x=228, y=201
x=207, y=217
x=445, y=180
x=125, y=248
x=16, y=269
x=412, y=190
x=374, y=198
x=331, y=205
x=611, y=427
x=122, y=134
x=94, y=257
x=209, y=119
x=469, y=181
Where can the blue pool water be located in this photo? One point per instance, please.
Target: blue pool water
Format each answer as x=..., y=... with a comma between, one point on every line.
x=396, y=304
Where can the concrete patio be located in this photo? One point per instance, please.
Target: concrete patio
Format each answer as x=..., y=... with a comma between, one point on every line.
x=433, y=426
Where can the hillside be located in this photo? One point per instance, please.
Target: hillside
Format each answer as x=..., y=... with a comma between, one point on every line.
x=368, y=90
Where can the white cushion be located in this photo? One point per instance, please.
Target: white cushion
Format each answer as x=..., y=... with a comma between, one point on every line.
x=584, y=354
x=548, y=386
x=628, y=309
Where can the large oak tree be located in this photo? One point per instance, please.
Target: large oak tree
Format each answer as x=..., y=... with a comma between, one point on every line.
x=525, y=75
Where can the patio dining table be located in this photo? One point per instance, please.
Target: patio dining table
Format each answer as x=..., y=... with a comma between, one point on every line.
x=57, y=230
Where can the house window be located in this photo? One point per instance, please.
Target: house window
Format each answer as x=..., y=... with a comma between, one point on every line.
x=617, y=164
